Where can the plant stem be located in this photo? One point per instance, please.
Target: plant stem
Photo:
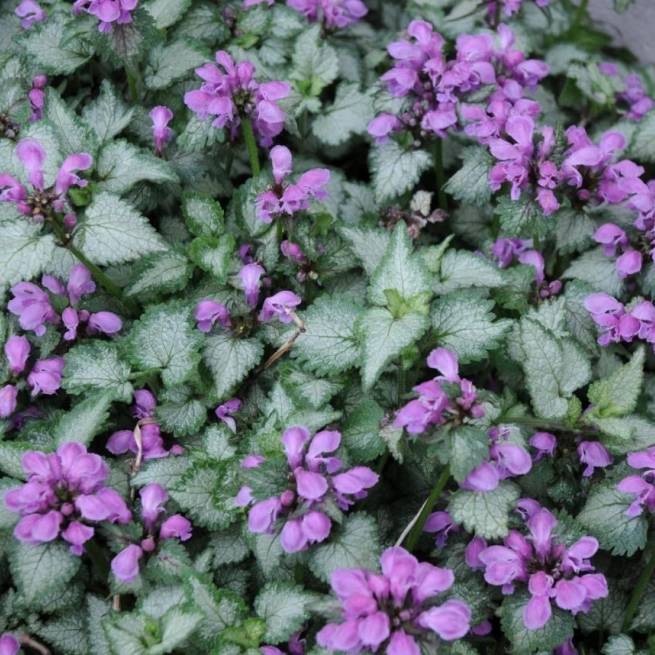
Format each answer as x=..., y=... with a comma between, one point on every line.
x=638, y=592
x=439, y=174
x=103, y=280
x=251, y=145
x=131, y=82
x=417, y=530
x=579, y=15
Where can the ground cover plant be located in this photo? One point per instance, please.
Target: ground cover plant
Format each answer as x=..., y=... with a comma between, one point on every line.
x=327, y=328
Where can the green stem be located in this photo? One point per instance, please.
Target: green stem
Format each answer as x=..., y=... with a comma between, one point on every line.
x=401, y=380
x=131, y=82
x=417, y=530
x=251, y=145
x=440, y=175
x=638, y=592
x=98, y=558
x=579, y=15
x=100, y=277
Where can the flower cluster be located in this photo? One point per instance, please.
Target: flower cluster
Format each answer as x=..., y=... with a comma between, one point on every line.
x=634, y=95
x=107, y=12
x=611, y=237
x=34, y=308
x=334, y=14
x=505, y=460
x=64, y=492
x=290, y=198
x=231, y=95
x=125, y=566
x=151, y=444
x=435, y=406
x=435, y=88
x=394, y=610
x=313, y=483
x=618, y=324
x=43, y=201
x=552, y=572
x=640, y=485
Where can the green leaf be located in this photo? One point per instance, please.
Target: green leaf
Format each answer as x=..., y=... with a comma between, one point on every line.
x=463, y=323
x=523, y=218
x=594, y=84
x=354, y=544
x=598, y=270
x=107, y=115
x=468, y=446
x=53, y=49
x=400, y=269
x=84, y=421
x=230, y=360
x=25, y=251
x=644, y=620
x=554, y=369
x=558, y=629
x=314, y=65
x=166, y=12
x=307, y=389
x=384, y=338
x=621, y=6
x=485, y=513
x=166, y=338
x=11, y=453
x=197, y=493
x=460, y=269
x=67, y=633
x=228, y=547
x=361, y=432
x=161, y=272
x=573, y=230
x=73, y=135
x=284, y=607
x=113, y=232
x=619, y=644
x=607, y=613
x=213, y=255
x=179, y=413
x=470, y=184
x=221, y=608
x=625, y=434
x=368, y=244
x=204, y=216
x=396, y=170
x=121, y=165
x=170, y=63
x=604, y=517
x=97, y=610
x=96, y=366
x=125, y=632
x=167, y=472
x=41, y=568
x=578, y=320
x=350, y=114
x=329, y=345
x=618, y=393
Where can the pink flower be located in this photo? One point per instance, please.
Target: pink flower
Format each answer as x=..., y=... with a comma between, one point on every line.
x=31, y=12
x=161, y=116
x=125, y=566
x=250, y=275
x=17, y=350
x=8, y=397
x=32, y=306
x=229, y=407
x=175, y=527
x=282, y=305
x=208, y=312
x=46, y=376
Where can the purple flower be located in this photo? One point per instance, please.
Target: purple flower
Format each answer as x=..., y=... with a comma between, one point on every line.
x=177, y=527
x=250, y=275
x=610, y=315
x=629, y=263
x=145, y=403
x=32, y=306
x=46, y=376
x=208, y=312
x=125, y=566
x=63, y=490
x=104, y=323
x=282, y=305
x=223, y=412
x=642, y=485
x=31, y=12
x=9, y=645
x=161, y=116
x=17, y=350
x=231, y=93
x=442, y=524
x=544, y=443
x=335, y=14
x=153, y=497
x=290, y=198
x=8, y=396
x=611, y=237
x=152, y=445
x=314, y=482
x=594, y=455
x=79, y=283
x=107, y=11
x=387, y=610
x=552, y=572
